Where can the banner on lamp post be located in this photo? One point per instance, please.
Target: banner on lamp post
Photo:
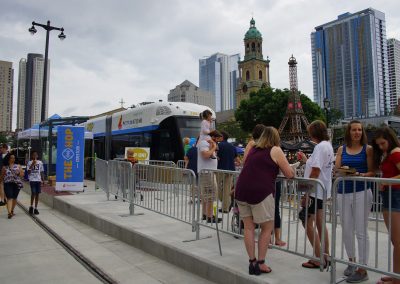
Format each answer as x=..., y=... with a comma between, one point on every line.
x=70, y=154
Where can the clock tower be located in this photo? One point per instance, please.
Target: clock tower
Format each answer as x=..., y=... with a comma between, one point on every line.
x=254, y=70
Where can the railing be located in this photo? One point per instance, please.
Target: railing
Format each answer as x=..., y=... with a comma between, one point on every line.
x=158, y=163
x=119, y=179
x=360, y=212
x=181, y=164
x=165, y=190
x=173, y=192
x=102, y=175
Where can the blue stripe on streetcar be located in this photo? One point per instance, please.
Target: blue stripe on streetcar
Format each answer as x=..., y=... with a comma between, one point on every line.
x=133, y=130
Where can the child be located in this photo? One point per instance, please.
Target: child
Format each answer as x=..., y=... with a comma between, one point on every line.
x=35, y=174
x=206, y=117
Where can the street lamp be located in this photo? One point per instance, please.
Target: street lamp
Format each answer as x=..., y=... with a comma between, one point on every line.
x=61, y=36
x=327, y=105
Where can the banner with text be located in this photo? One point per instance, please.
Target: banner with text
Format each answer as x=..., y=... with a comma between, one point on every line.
x=70, y=153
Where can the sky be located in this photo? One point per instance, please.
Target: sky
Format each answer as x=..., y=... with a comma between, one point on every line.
x=140, y=50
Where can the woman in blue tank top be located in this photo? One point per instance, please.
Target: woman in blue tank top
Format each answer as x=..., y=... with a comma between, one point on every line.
x=354, y=199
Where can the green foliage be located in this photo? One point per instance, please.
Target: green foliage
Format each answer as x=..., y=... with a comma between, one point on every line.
x=335, y=116
x=268, y=106
x=3, y=139
x=234, y=130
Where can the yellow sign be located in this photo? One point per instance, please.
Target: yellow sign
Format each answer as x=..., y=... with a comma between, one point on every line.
x=137, y=153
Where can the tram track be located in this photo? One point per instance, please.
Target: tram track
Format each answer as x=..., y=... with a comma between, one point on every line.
x=84, y=261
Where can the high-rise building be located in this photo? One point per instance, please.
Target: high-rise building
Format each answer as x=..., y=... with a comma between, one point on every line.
x=6, y=95
x=21, y=94
x=254, y=69
x=219, y=75
x=350, y=67
x=393, y=46
x=189, y=92
x=30, y=90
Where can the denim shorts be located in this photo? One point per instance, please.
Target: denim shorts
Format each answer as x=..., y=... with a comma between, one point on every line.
x=36, y=187
x=395, y=200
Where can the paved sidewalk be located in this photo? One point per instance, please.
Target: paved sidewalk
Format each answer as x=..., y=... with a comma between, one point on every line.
x=122, y=262
x=29, y=255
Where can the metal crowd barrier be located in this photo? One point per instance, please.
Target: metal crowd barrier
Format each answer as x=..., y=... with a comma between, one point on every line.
x=181, y=164
x=102, y=175
x=366, y=208
x=119, y=179
x=166, y=190
x=173, y=192
x=158, y=163
x=216, y=188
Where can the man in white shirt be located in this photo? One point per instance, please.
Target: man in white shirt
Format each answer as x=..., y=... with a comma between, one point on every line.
x=207, y=180
x=35, y=174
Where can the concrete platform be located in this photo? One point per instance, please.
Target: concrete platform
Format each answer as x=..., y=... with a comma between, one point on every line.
x=171, y=240
x=28, y=255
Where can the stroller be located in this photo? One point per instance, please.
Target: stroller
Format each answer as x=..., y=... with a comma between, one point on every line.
x=237, y=225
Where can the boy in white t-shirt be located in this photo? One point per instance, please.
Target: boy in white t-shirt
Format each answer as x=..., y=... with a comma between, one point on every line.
x=35, y=174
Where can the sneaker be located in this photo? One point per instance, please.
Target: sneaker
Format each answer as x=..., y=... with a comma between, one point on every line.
x=357, y=277
x=36, y=212
x=31, y=210
x=349, y=270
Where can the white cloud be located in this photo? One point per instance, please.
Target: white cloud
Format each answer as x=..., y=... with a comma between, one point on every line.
x=139, y=50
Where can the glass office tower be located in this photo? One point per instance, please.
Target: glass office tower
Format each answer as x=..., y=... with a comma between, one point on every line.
x=350, y=64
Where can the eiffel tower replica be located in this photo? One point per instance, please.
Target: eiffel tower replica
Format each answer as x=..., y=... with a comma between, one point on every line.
x=291, y=128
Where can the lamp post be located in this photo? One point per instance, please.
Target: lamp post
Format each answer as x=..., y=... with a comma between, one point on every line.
x=327, y=105
x=61, y=36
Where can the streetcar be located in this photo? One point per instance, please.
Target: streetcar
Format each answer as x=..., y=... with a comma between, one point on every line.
x=159, y=126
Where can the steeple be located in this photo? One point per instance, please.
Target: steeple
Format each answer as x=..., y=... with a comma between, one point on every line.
x=254, y=70
x=253, y=42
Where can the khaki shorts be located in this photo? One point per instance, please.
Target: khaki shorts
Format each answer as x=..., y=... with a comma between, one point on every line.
x=261, y=212
x=208, y=185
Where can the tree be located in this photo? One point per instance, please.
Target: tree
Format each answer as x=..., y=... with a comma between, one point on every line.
x=3, y=139
x=268, y=106
x=234, y=130
x=334, y=116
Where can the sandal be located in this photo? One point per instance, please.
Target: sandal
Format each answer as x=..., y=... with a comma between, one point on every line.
x=385, y=279
x=310, y=264
x=280, y=243
x=260, y=262
x=9, y=215
x=254, y=268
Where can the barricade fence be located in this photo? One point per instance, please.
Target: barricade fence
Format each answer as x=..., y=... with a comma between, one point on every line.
x=165, y=190
x=364, y=239
x=119, y=179
x=209, y=202
x=102, y=175
x=181, y=164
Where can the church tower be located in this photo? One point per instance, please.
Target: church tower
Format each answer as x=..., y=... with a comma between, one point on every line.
x=254, y=70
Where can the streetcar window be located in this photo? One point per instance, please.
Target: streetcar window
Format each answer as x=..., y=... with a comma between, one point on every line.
x=189, y=127
x=120, y=142
x=99, y=144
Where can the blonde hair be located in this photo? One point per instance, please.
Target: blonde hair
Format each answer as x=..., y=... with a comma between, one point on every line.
x=269, y=138
x=186, y=140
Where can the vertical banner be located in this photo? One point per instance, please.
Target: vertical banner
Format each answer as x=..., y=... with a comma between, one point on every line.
x=70, y=153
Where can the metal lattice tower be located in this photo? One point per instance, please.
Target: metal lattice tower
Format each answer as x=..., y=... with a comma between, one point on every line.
x=294, y=112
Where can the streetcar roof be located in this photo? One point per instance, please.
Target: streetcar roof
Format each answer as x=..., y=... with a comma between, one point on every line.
x=145, y=115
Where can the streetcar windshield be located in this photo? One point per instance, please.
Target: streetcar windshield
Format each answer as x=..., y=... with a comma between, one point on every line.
x=189, y=127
